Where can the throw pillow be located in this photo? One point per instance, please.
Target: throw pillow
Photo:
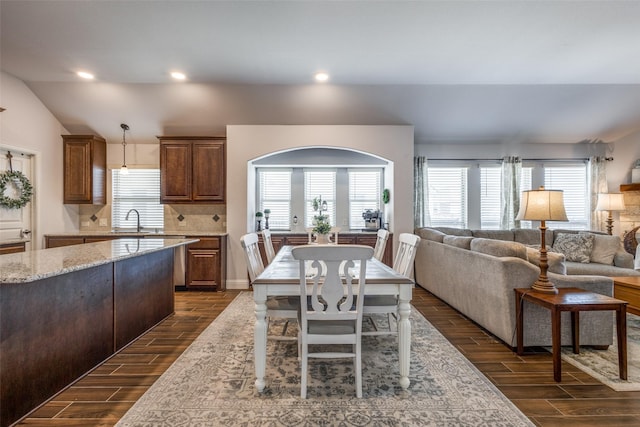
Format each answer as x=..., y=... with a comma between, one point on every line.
x=604, y=248
x=575, y=247
x=463, y=242
x=499, y=248
x=555, y=261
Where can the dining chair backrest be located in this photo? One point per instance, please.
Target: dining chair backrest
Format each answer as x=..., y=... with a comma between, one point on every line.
x=381, y=244
x=330, y=269
x=268, y=245
x=252, y=256
x=334, y=230
x=407, y=247
x=331, y=313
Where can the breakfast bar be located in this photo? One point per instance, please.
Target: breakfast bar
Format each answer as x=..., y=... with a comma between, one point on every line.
x=65, y=310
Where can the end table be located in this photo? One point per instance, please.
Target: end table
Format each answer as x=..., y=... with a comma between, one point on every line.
x=573, y=300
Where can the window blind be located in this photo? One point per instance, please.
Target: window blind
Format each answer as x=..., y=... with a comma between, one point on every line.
x=447, y=196
x=274, y=193
x=319, y=183
x=365, y=192
x=139, y=190
x=490, y=197
x=572, y=179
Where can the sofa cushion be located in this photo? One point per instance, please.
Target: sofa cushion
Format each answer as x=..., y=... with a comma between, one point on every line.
x=531, y=236
x=595, y=269
x=427, y=233
x=463, y=242
x=494, y=234
x=575, y=247
x=555, y=261
x=604, y=248
x=454, y=231
x=499, y=248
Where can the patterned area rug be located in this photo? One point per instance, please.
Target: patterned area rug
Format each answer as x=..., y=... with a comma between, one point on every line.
x=603, y=364
x=212, y=384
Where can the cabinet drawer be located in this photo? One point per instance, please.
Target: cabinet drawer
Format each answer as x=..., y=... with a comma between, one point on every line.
x=205, y=243
x=56, y=242
x=12, y=248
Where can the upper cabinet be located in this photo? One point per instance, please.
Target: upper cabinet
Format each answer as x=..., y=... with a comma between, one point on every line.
x=85, y=168
x=192, y=169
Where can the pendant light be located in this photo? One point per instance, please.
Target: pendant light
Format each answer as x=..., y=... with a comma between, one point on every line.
x=123, y=169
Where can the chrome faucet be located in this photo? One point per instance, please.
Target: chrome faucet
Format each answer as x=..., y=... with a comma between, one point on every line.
x=138, y=228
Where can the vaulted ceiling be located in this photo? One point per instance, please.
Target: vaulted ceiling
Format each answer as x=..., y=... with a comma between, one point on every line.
x=463, y=71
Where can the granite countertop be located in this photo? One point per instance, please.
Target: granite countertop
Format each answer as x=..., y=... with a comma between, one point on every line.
x=160, y=234
x=30, y=266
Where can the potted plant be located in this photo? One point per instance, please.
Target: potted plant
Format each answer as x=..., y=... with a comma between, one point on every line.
x=259, y=216
x=322, y=228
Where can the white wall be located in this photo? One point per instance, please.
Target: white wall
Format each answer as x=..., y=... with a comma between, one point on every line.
x=246, y=143
x=28, y=125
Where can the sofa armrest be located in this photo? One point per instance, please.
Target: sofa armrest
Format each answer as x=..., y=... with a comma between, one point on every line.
x=598, y=284
x=623, y=259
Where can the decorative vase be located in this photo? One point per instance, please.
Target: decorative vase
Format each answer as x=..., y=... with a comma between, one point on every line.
x=322, y=239
x=259, y=225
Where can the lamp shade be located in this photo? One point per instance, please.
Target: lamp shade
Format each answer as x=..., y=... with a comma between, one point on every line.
x=542, y=205
x=610, y=202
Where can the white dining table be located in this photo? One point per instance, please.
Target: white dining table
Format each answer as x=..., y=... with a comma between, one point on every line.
x=282, y=278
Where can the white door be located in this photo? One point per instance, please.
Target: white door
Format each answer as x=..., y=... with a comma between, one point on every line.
x=16, y=223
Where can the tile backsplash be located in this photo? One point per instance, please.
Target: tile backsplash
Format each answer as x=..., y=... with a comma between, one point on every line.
x=178, y=218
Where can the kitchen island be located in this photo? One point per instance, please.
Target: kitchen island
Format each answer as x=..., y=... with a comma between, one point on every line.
x=65, y=310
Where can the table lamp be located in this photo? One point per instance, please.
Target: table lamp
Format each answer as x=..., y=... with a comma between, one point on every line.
x=610, y=202
x=542, y=205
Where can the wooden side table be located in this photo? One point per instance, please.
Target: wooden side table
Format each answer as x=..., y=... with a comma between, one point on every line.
x=573, y=300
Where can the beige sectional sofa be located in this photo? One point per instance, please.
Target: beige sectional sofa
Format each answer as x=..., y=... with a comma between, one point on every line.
x=475, y=271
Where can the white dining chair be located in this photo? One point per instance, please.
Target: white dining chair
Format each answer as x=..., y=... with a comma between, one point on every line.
x=381, y=244
x=277, y=306
x=388, y=304
x=334, y=230
x=268, y=245
x=333, y=314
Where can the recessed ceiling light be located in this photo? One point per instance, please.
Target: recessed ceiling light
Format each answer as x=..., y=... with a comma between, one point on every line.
x=178, y=75
x=322, y=77
x=85, y=75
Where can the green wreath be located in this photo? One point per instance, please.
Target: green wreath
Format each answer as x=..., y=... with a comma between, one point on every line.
x=22, y=183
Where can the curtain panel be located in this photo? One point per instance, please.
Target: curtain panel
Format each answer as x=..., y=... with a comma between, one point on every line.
x=421, y=192
x=598, y=184
x=511, y=172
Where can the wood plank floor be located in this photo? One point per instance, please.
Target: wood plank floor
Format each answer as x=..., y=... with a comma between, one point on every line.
x=103, y=396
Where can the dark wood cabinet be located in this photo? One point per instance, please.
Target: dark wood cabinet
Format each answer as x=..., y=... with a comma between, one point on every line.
x=11, y=248
x=205, y=261
x=85, y=169
x=56, y=242
x=192, y=169
x=206, y=264
x=295, y=239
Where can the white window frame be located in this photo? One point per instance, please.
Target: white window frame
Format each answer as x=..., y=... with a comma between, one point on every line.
x=144, y=196
x=300, y=207
x=280, y=216
x=533, y=177
x=367, y=199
